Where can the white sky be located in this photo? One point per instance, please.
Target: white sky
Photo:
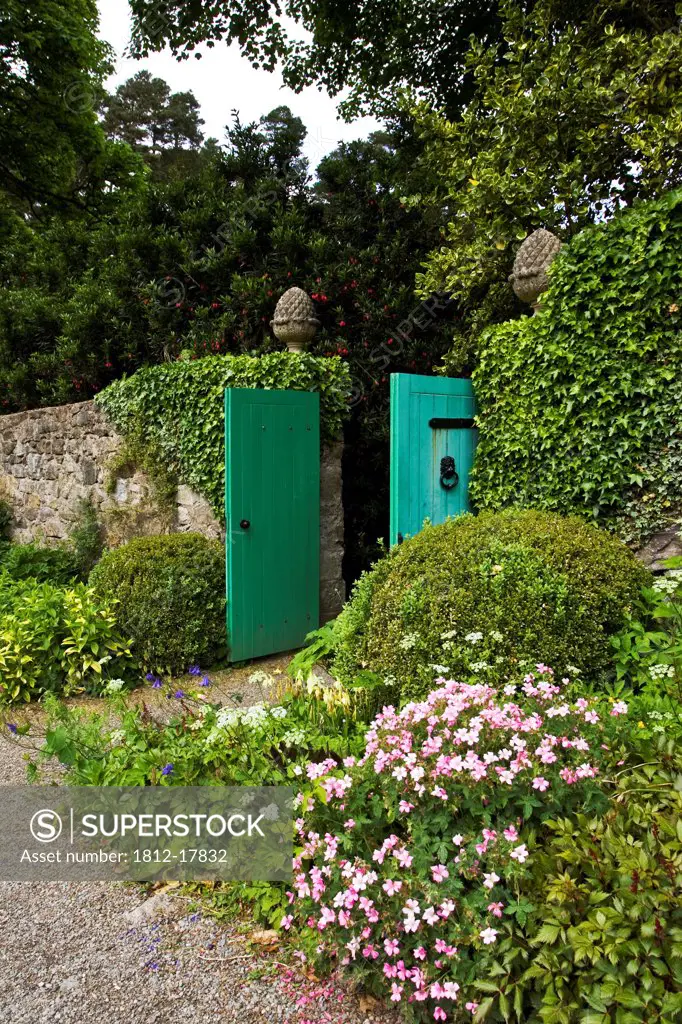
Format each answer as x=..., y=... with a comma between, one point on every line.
x=223, y=81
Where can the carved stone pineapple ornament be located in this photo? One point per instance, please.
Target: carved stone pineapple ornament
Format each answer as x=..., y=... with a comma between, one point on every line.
x=529, y=274
x=294, y=322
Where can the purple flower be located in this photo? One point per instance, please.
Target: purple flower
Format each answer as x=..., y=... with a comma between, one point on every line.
x=179, y=694
x=205, y=681
x=12, y=728
x=167, y=769
x=157, y=684
x=194, y=670
x=150, y=677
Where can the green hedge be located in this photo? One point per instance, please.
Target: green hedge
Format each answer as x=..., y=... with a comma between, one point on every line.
x=46, y=565
x=481, y=594
x=175, y=412
x=171, y=598
x=581, y=405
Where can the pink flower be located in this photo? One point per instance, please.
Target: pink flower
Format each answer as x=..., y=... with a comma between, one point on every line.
x=396, y=992
x=439, y=1014
x=471, y=1007
x=286, y=922
x=619, y=708
x=488, y=935
x=495, y=909
x=430, y=916
x=391, y=946
x=349, y=824
x=440, y=873
x=391, y=887
x=520, y=853
x=420, y=953
x=490, y=880
x=540, y=783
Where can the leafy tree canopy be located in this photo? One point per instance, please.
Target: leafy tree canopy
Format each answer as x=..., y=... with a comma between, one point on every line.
x=372, y=47
x=53, y=152
x=567, y=125
x=144, y=113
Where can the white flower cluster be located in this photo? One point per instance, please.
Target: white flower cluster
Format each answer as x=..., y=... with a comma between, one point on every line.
x=669, y=583
x=114, y=686
x=662, y=671
x=409, y=641
x=473, y=638
x=294, y=737
x=260, y=678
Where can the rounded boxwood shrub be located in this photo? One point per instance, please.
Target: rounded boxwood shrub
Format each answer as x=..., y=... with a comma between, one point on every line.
x=171, y=593
x=484, y=593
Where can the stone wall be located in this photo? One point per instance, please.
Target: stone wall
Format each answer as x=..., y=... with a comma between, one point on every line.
x=52, y=459
x=664, y=544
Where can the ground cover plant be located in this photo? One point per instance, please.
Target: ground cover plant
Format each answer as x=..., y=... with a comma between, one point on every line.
x=482, y=593
x=59, y=639
x=507, y=855
x=170, y=598
x=579, y=406
x=200, y=742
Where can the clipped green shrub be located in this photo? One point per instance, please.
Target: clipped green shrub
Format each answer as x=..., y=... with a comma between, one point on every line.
x=46, y=565
x=175, y=412
x=171, y=593
x=484, y=593
x=580, y=407
x=58, y=639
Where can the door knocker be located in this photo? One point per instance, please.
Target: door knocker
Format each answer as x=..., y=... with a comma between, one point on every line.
x=449, y=477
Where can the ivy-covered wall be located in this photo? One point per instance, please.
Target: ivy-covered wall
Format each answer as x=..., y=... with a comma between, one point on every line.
x=581, y=404
x=160, y=467
x=172, y=415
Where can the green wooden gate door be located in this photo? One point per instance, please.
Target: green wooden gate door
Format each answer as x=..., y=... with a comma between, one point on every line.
x=272, y=507
x=432, y=450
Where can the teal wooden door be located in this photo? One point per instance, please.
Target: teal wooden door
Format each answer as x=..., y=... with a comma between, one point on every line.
x=432, y=450
x=272, y=507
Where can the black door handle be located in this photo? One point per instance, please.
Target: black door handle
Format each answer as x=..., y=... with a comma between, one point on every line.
x=449, y=477
x=245, y=524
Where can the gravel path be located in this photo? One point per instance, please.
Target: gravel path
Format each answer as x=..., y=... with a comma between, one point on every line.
x=105, y=953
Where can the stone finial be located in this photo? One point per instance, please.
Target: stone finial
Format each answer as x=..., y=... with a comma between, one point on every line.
x=294, y=322
x=529, y=274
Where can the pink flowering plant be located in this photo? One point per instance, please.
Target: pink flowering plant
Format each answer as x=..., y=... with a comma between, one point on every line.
x=414, y=861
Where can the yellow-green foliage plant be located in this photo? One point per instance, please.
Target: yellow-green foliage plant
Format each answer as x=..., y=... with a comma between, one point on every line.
x=59, y=639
